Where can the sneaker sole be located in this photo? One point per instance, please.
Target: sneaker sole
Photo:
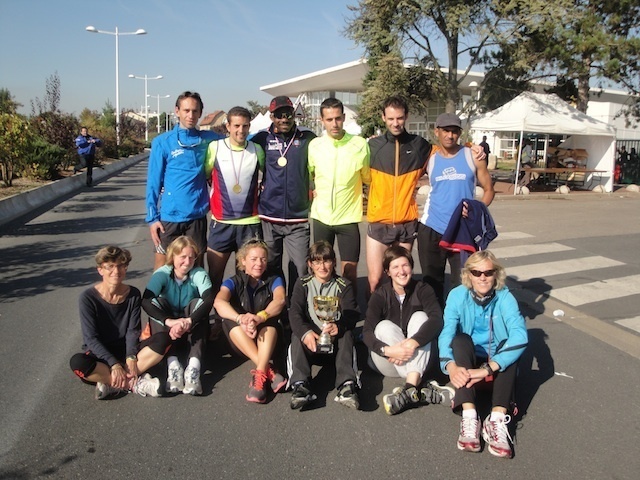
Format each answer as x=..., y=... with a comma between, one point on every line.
x=192, y=391
x=348, y=402
x=494, y=451
x=387, y=406
x=277, y=388
x=255, y=400
x=468, y=447
x=301, y=402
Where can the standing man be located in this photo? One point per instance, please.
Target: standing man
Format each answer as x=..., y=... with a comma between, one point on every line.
x=485, y=146
x=177, y=180
x=338, y=165
x=86, y=145
x=284, y=202
x=232, y=166
x=398, y=160
x=453, y=173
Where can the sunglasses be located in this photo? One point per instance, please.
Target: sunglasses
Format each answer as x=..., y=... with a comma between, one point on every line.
x=283, y=115
x=486, y=273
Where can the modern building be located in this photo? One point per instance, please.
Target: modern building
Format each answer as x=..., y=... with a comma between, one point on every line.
x=345, y=83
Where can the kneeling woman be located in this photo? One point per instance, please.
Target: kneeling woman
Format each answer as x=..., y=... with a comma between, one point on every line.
x=484, y=335
x=178, y=300
x=402, y=324
x=110, y=321
x=250, y=304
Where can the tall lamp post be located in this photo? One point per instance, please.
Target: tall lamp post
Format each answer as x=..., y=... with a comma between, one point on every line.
x=146, y=104
x=117, y=34
x=158, y=97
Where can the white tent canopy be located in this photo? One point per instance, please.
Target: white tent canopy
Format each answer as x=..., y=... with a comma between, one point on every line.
x=549, y=114
x=260, y=122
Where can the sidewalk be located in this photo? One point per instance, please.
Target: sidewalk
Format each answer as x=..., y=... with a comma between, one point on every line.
x=18, y=205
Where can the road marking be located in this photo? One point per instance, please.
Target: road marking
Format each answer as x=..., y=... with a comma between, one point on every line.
x=560, y=267
x=598, y=291
x=512, y=236
x=526, y=250
x=632, y=323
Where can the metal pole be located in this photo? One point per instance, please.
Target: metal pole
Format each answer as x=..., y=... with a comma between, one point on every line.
x=158, y=112
x=117, y=94
x=146, y=111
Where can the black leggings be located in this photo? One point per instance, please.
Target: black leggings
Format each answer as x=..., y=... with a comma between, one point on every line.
x=503, y=384
x=83, y=364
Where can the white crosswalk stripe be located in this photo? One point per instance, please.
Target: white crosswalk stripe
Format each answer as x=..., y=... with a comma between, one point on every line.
x=632, y=323
x=598, y=291
x=560, y=267
x=503, y=236
x=526, y=250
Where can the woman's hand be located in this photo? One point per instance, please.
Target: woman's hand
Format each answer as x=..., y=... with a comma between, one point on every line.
x=401, y=352
x=118, y=377
x=249, y=322
x=178, y=327
x=463, y=377
x=132, y=372
x=331, y=328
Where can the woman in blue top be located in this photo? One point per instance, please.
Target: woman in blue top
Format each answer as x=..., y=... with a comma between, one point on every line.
x=483, y=337
x=250, y=304
x=178, y=300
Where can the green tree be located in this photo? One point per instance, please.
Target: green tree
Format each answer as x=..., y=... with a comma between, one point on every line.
x=255, y=108
x=15, y=140
x=7, y=102
x=51, y=100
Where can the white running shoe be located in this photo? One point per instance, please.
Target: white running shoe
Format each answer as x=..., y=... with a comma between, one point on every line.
x=192, y=384
x=147, y=386
x=175, y=378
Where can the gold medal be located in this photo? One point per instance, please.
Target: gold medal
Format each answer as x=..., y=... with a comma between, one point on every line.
x=282, y=161
x=237, y=188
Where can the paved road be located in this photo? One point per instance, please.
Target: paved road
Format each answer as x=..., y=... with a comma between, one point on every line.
x=578, y=390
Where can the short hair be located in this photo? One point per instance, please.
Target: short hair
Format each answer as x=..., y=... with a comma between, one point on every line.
x=393, y=253
x=178, y=245
x=188, y=94
x=396, y=101
x=241, y=254
x=475, y=260
x=239, y=112
x=114, y=254
x=83, y=128
x=331, y=102
x=321, y=250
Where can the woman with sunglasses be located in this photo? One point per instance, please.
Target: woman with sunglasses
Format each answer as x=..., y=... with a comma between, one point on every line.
x=250, y=304
x=110, y=320
x=483, y=337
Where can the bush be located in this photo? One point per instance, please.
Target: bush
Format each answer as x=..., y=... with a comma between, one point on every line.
x=45, y=160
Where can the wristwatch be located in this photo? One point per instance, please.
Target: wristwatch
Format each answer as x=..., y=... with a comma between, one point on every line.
x=487, y=367
x=382, y=352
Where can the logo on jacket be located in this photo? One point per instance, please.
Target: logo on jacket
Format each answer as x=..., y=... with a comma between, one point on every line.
x=177, y=152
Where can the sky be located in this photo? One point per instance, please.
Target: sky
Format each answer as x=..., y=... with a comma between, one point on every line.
x=223, y=49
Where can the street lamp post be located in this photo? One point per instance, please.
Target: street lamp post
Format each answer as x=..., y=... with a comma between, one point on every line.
x=117, y=34
x=146, y=104
x=158, y=97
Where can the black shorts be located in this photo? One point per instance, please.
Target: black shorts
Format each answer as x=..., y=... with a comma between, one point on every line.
x=227, y=238
x=196, y=229
x=348, y=238
x=389, y=234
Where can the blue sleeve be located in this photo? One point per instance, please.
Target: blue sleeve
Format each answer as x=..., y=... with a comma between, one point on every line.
x=201, y=280
x=278, y=282
x=155, y=180
x=452, y=317
x=81, y=142
x=158, y=281
x=516, y=328
x=230, y=285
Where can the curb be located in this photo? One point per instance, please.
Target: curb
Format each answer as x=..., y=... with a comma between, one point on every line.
x=20, y=204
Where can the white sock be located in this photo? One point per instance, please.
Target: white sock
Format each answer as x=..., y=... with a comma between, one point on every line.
x=496, y=416
x=469, y=413
x=173, y=362
x=194, y=362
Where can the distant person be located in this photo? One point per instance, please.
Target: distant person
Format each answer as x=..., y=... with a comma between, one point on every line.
x=251, y=303
x=483, y=337
x=284, y=201
x=86, y=145
x=453, y=173
x=112, y=357
x=307, y=327
x=177, y=196
x=232, y=166
x=485, y=146
x=526, y=162
x=338, y=165
x=178, y=300
x=401, y=331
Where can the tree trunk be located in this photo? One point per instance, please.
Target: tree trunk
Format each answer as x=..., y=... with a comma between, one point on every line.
x=583, y=84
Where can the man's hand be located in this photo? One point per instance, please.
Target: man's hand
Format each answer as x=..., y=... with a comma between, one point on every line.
x=311, y=341
x=155, y=227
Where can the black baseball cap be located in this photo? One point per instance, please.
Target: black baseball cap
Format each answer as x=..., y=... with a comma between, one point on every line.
x=280, y=102
x=448, y=120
